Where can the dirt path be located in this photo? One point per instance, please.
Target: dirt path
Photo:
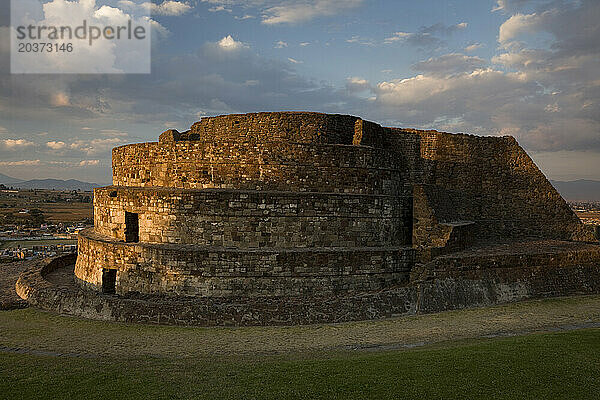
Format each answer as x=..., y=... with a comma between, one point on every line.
x=35, y=331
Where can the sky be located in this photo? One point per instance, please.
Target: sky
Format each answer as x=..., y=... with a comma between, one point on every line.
x=525, y=68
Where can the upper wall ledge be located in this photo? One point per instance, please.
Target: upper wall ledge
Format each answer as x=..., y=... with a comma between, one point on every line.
x=291, y=126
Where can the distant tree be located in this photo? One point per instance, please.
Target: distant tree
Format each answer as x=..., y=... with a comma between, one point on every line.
x=8, y=219
x=36, y=217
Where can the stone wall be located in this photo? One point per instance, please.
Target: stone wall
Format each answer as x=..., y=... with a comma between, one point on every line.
x=255, y=204
x=263, y=166
x=294, y=127
x=490, y=181
x=526, y=275
x=224, y=272
x=253, y=219
x=290, y=203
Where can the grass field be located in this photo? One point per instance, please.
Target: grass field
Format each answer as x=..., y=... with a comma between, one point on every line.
x=457, y=355
x=72, y=212
x=543, y=366
x=52, y=203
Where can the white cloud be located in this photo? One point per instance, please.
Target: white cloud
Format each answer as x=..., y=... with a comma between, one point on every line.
x=509, y=5
x=467, y=101
x=111, y=14
x=113, y=132
x=293, y=12
x=20, y=163
x=56, y=145
x=14, y=144
x=523, y=23
x=362, y=41
x=275, y=12
x=160, y=31
x=357, y=84
x=398, y=36
x=426, y=36
x=87, y=163
x=490, y=101
x=500, y=5
x=129, y=5
x=449, y=64
x=213, y=79
x=166, y=8
x=523, y=59
x=473, y=47
x=549, y=100
x=219, y=8
x=228, y=43
x=104, y=56
x=95, y=146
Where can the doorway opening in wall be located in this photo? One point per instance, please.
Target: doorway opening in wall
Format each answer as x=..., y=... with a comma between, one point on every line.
x=109, y=281
x=132, y=227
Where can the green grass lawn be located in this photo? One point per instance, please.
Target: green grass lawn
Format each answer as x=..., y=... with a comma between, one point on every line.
x=541, y=366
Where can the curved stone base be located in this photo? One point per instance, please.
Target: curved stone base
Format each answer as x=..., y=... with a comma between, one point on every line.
x=189, y=270
x=500, y=280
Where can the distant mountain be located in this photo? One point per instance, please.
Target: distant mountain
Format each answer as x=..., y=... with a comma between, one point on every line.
x=51, y=184
x=580, y=190
x=56, y=184
x=9, y=180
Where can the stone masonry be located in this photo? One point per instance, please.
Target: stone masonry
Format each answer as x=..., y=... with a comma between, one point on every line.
x=307, y=204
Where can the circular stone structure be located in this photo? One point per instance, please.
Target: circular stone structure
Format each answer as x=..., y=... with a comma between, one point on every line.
x=294, y=218
x=267, y=204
